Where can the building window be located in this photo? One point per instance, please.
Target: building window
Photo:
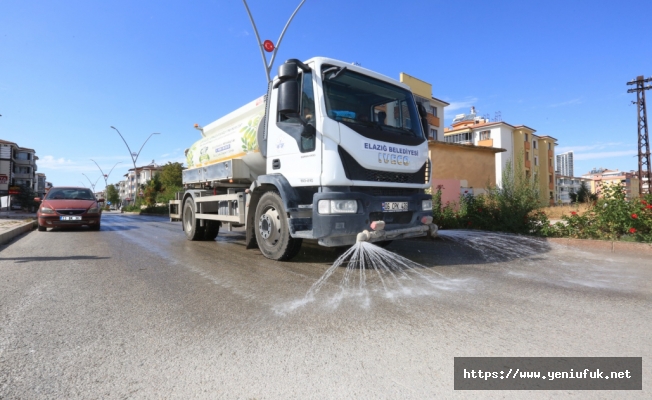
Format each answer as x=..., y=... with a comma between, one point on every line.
x=23, y=156
x=465, y=137
x=527, y=155
x=433, y=110
x=536, y=160
x=549, y=146
x=534, y=144
x=433, y=133
x=526, y=137
x=485, y=135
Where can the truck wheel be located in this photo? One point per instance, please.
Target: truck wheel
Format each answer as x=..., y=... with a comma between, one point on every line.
x=211, y=229
x=190, y=223
x=272, y=230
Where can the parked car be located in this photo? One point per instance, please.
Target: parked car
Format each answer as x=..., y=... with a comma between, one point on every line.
x=69, y=206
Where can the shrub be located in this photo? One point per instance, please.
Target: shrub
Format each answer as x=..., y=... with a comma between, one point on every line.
x=613, y=217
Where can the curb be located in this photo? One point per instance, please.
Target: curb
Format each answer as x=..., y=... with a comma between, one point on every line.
x=606, y=245
x=18, y=230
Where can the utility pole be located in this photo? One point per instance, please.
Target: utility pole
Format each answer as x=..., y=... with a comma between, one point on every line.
x=643, y=136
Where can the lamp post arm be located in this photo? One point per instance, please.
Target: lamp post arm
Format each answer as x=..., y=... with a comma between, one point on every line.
x=141, y=147
x=278, y=43
x=260, y=45
x=109, y=174
x=123, y=139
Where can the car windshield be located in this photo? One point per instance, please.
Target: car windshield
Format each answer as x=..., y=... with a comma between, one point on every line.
x=364, y=103
x=70, y=194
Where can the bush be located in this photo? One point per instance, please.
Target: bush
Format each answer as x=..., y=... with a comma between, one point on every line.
x=513, y=207
x=613, y=217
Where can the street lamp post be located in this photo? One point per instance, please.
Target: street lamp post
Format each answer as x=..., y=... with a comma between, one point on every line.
x=106, y=176
x=134, y=156
x=91, y=182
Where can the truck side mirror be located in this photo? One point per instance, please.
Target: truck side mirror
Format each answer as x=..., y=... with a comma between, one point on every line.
x=288, y=97
x=288, y=89
x=423, y=114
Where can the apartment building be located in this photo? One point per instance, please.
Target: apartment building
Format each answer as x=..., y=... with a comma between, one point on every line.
x=567, y=185
x=434, y=107
x=601, y=177
x=533, y=154
x=130, y=188
x=565, y=164
x=17, y=168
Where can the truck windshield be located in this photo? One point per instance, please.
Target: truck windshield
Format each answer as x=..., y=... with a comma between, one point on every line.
x=371, y=107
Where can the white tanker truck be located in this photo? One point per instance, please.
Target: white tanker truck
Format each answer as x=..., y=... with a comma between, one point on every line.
x=333, y=153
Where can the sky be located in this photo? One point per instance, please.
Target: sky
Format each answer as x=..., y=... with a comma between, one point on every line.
x=70, y=70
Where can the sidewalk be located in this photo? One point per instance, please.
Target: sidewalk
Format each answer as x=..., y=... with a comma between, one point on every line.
x=14, y=223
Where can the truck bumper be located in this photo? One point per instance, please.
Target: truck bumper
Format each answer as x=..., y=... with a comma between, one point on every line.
x=343, y=229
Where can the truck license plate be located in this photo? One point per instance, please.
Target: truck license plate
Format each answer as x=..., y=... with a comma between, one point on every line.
x=395, y=206
x=73, y=218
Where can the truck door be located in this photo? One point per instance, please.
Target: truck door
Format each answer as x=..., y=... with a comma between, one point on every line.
x=294, y=145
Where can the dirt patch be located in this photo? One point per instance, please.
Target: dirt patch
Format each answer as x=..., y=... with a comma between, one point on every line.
x=556, y=212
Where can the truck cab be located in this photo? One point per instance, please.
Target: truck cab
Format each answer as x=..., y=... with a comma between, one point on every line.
x=353, y=142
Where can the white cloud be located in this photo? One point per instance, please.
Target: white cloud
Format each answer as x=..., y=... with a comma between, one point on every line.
x=461, y=105
x=604, y=154
x=597, y=146
x=567, y=103
x=54, y=163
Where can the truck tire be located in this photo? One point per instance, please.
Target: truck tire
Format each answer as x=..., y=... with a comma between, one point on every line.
x=190, y=223
x=272, y=230
x=211, y=229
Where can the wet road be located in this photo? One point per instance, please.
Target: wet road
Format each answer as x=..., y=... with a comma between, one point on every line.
x=137, y=311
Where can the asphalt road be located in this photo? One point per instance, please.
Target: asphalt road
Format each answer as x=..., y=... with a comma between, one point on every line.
x=137, y=311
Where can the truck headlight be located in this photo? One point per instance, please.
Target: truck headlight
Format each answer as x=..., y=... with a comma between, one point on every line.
x=337, y=206
x=426, y=205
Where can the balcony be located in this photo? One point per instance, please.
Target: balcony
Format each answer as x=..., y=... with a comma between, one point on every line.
x=551, y=185
x=486, y=143
x=21, y=175
x=527, y=145
x=432, y=120
x=550, y=169
x=549, y=153
x=527, y=164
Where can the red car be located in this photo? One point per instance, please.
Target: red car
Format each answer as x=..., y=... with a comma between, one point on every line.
x=69, y=206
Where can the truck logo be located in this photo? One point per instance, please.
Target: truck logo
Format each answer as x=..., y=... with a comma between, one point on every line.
x=386, y=158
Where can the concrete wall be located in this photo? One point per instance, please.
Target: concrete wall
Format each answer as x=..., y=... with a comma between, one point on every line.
x=457, y=166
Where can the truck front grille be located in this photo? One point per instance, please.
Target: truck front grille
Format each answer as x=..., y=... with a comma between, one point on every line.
x=357, y=172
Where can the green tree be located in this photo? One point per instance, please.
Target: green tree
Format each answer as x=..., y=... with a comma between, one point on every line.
x=152, y=190
x=25, y=198
x=170, y=175
x=112, y=194
x=583, y=194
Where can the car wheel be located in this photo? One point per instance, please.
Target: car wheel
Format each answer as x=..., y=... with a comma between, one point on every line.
x=272, y=230
x=42, y=228
x=190, y=223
